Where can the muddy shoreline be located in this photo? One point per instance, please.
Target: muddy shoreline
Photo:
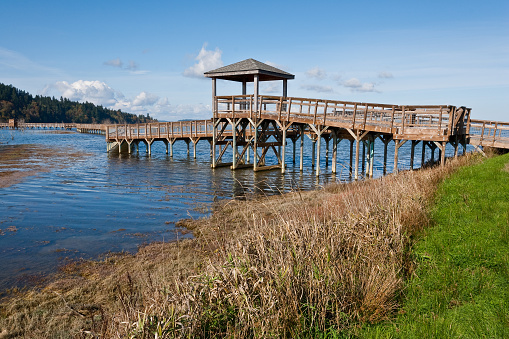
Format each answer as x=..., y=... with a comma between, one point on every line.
x=17, y=162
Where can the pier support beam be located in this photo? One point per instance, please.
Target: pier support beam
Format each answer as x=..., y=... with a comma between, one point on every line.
x=313, y=151
x=284, y=126
x=371, y=150
x=283, y=151
x=412, y=153
x=433, y=147
x=335, y=143
x=123, y=147
x=327, y=139
x=351, y=157
x=398, y=144
x=385, y=139
x=363, y=165
x=294, y=142
x=255, y=144
x=149, y=143
x=215, y=122
x=233, y=122
x=195, y=142
x=423, y=156
x=358, y=135
x=441, y=149
x=301, y=157
x=318, y=132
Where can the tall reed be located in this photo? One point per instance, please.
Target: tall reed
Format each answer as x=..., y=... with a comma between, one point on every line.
x=301, y=263
x=294, y=265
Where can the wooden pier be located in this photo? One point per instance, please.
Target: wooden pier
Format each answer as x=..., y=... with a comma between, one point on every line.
x=488, y=133
x=251, y=126
x=82, y=128
x=260, y=125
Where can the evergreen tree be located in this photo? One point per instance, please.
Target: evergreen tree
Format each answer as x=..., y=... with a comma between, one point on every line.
x=20, y=105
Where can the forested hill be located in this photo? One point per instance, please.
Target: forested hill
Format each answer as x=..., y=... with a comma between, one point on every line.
x=20, y=105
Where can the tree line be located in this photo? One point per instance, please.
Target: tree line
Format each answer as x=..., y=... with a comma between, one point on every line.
x=20, y=105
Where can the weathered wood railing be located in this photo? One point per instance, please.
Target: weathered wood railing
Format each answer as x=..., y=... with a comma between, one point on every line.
x=91, y=126
x=40, y=125
x=169, y=130
x=489, y=133
x=437, y=120
x=83, y=128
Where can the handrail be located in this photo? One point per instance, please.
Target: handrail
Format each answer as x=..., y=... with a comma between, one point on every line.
x=489, y=133
x=440, y=120
x=158, y=130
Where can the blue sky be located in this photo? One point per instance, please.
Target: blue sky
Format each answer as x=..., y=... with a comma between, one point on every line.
x=148, y=57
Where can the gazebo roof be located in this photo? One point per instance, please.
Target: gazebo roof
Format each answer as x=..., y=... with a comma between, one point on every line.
x=245, y=71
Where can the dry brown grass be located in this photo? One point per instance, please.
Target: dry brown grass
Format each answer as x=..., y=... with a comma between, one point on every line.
x=281, y=266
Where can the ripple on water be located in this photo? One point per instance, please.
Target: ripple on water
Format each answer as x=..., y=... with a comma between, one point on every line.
x=74, y=200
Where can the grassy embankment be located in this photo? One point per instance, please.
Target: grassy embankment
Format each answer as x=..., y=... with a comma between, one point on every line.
x=460, y=288
x=299, y=265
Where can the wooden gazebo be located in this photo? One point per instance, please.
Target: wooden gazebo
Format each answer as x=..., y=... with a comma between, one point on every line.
x=249, y=70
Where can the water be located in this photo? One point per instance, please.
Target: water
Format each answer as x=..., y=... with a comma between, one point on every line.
x=95, y=202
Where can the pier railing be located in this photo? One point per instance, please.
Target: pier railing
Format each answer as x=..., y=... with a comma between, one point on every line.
x=160, y=130
x=39, y=125
x=90, y=126
x=489, y=133
x=433, y=120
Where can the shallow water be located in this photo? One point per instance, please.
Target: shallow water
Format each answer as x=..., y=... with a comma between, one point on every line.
x=100, y=202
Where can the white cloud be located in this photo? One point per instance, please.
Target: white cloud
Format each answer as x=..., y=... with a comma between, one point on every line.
x=316, y=73
x=272, y=87
x=145, y=99
x=356, y=85
x=207, y=60
x=352, y=83
x=385, y=75
x=114, y=63
x=317, y=88
x=367, y=87
x=96, y=92
x=99, y=93
x=132, y=66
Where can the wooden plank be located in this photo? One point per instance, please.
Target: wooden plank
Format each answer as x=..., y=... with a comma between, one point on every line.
x=267, y=168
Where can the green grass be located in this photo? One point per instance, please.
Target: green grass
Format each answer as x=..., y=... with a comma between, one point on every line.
x=460, y=288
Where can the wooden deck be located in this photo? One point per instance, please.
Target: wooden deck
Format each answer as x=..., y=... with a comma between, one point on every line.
x=82, y=128
x=236, y=123
x=489, y=133
x=423, y=122
x=432, y=122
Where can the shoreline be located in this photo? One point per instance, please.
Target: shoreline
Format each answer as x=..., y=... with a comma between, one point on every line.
x=234, y=230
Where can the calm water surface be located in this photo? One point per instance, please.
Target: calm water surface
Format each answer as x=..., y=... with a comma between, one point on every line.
x=102, y=202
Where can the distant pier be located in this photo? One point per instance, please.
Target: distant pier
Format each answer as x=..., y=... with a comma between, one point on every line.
x=82, y=128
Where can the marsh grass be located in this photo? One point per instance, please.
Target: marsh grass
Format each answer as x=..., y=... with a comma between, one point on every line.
x=302, y=264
